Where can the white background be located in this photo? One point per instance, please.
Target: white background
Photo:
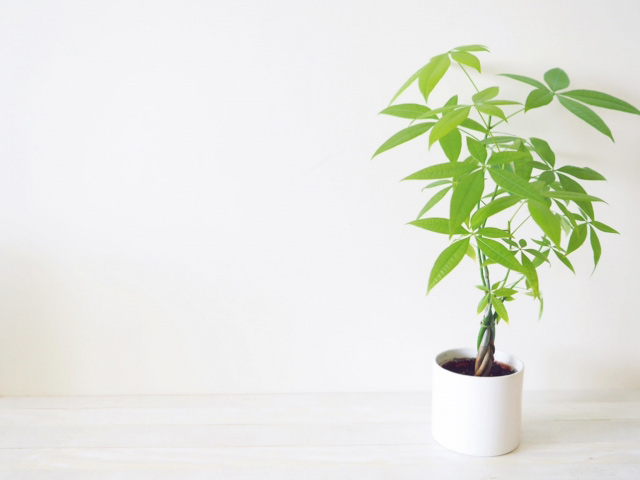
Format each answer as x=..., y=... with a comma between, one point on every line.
x=188, y=202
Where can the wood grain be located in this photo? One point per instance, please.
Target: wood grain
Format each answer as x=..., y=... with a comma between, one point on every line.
x=306, y=436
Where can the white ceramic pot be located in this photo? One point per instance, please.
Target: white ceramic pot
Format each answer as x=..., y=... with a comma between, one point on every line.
x=476, y=415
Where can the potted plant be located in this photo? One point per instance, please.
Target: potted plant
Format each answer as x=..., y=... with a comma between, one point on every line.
x=512, y=208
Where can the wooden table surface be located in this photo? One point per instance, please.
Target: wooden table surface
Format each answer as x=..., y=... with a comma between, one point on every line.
x=363, y=436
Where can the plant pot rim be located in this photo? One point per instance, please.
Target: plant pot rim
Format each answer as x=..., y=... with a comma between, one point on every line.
x=500, y=356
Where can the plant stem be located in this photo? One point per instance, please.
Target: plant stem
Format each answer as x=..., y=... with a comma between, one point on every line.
x=506, y=277
x=487, y=334
x=480, y=261
x=523, y=222
x=468, y=134
x=509, y=116
x=480, y=113
x=516, y=212
x=469, y=77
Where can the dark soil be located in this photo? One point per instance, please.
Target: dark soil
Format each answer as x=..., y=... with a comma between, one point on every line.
x=466, y=366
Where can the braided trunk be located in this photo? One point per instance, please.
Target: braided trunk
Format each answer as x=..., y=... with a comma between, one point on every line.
x=486, y=344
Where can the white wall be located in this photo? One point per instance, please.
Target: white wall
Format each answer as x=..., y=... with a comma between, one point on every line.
x=188, y=203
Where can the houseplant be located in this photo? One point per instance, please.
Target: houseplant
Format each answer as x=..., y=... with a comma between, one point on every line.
x=512, y=207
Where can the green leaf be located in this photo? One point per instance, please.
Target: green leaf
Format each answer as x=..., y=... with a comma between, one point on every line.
x=523, y=79
x=471, y=253
x=572, y=196
x=465, y=197
x=403, y=136
x=498, y=253
x=524, y=168
x=548, y=221
x=599, y=99
x=540, y=165
x=447, y=261
x=572, y=186
x=472, y=48
x=496, y=206
x=545, y=242
x=466, y=58
x=451, y=145
x=604, y=228
x=515, y=185
x=595, y=246
x=473, y=125
x=406, y=110
x=452, y=102
x=431, y=74
x=500, y=139
x=442, y=170
x=541, y=300
x=434, y=201
x=483, y=303
x=437, y=111
x=491, y=110
x=437, y=183
x=557, y=79
x=577, y=238
x=477, y=149
x=492, y=232
x=502, y=102
x=486, y=94
x=547, y=177
x=406, y=85
x=505, y=292
x=498, y=306
x=567, y=213
x=540, y=257
x=564, y=260
x=500, y=158
x=585, y=113
x=584, y=173
x=437, y=225
x=529, y=270
x=447, y=123
x=538, y=98
x=543, y=150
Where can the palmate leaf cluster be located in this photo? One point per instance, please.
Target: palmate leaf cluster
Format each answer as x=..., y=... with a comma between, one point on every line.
x=489, y=171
